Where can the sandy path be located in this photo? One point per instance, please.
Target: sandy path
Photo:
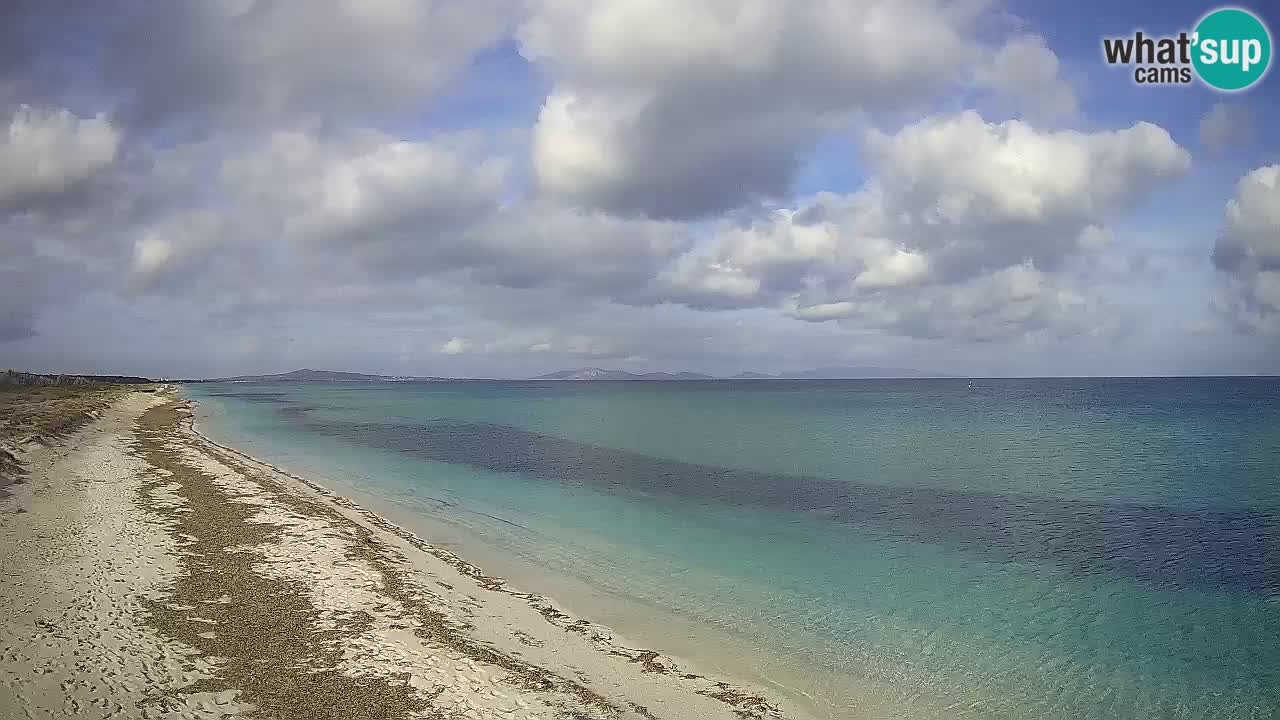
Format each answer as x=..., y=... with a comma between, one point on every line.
x=157, y=574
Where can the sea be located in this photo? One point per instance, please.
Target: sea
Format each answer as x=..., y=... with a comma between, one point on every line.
x=1000, y=548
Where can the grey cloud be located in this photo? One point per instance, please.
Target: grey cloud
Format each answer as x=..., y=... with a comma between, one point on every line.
x=15, y=326
x=302, y=226
x=31, y=282
x=1227, y=125
x=17, y=303
x=646, y=338
x=46, y=153
x=1026, y=74
x=17, y=33
x=593, y=252
x=681, y=110
x=246, y=61
x=30, y=69
x=365, y=192
x=138, y=226
x=173, y=256
x=1015, y=302
x=60, y=214
x=1248, y=252
x=395, y=211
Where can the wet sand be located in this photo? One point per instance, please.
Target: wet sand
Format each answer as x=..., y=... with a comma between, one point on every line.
x=154, y=573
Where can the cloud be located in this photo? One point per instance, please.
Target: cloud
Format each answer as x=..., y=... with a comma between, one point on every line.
x=395, y=211
x=265, y=185
x=358, y=189
x=968, y=170
x=1010, y=303
x=302, y=225
x=15, y=326
x=152, y=254
x=680, y=110
x=31, y=281
x=1011, y=191
x=246, y=62
x=48, y=152
x=1026, y=74
x=589, y=251
x=1248, y=252
x=179, y=253
x=1227, y=125
x=17, y=305
x=966, y=230
x=455, y=346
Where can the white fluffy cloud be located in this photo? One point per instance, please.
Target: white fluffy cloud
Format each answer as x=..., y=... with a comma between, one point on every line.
x=960, y=232
x=47, y=152
x=678, y=109
x=1248, y=251
x=1010, y=192
x=961, y=169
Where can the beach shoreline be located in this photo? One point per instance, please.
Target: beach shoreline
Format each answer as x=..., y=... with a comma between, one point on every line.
x=693, y=643
x=381, y=623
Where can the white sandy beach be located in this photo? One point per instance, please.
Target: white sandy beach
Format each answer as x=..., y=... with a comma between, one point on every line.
x=154, y=573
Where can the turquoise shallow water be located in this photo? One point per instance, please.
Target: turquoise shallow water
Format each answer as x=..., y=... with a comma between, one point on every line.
x=1021, y=548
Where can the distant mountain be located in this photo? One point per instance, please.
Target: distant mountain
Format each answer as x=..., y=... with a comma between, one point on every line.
x=582, y=374
x=857, y=372
x=676, y=376
x=823, y=373
x=307, y=375
x=595, y=373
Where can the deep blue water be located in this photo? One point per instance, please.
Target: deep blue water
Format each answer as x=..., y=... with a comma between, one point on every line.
x=1090, y=548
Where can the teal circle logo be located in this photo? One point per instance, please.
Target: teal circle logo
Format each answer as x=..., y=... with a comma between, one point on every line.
x=1232, y=49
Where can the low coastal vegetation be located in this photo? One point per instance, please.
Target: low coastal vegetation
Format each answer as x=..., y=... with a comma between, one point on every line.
x=17, y=377
x=37, y=408
x=40, y=413
x=42, y=408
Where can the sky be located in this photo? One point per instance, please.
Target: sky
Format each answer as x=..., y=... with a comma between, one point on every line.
x=503, y=188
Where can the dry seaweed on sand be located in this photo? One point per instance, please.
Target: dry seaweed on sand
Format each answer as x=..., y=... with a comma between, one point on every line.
x=266, y=635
